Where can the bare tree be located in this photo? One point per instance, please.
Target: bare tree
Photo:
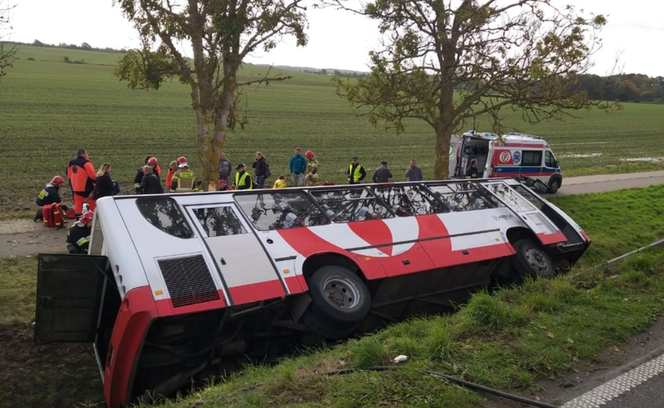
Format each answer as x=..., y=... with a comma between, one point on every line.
x=221, y=33
x=447, y=62
x=7, y=51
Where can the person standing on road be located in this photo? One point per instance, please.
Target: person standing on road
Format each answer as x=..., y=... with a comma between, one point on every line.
x=260, y=169
x=414, y=173
x=313, y=169
x=152, y=162
x=298, y=166
x=150, y=183
x=184, y=180
x=78, y=236
x=356, y=172
x=242, y=179
x=104, y=186
x=82, y=177
x=382, y=174
x=172, y=168
x=225, y=168
x=50, y=195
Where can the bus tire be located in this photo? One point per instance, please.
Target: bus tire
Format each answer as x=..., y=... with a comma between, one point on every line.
x=339, y=294
x=531, y=260
x=325, y=327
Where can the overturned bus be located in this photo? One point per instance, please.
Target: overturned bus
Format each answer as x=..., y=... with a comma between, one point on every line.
x=179, y=284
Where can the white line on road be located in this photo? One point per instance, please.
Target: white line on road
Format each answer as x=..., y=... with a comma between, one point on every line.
x=608, y=391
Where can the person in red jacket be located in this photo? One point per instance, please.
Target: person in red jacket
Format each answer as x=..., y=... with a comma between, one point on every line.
x=82, y=176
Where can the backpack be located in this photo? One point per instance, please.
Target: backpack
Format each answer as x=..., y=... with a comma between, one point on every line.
x=52, y=215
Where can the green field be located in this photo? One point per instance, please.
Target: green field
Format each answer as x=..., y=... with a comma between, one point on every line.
x=49, y=109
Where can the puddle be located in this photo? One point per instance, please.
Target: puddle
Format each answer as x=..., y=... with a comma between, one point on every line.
x=579, y=156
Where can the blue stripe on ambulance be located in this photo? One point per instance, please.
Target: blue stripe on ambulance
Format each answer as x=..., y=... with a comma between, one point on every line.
x=517, y=169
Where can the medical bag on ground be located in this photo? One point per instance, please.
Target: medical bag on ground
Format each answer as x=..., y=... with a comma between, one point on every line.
x=53, y=216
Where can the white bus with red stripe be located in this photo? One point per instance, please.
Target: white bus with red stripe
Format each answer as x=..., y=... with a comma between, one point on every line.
x=185, y=284
x=509, y=155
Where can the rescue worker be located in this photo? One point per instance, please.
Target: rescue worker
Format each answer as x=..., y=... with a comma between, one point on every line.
x=82, y=177
x=223, y=186
x=184, y=180
x=49, y=195
x=312, y=175
x=78, y=236
x=297, y=166
x=242, y=179
x=150, y=183
x=152, y=162
x=280, y=182
x=356, y=172
x=472, y=170
x=382, y=174
x=172, y=168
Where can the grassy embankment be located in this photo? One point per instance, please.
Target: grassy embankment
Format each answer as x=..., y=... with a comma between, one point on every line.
x=50, y=109
x=507, y=341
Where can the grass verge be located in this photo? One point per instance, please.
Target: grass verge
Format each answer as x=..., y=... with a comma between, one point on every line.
x=506, y=341
x=617, y=221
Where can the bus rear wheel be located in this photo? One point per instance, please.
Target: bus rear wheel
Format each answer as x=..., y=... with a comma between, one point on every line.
x=340, y=301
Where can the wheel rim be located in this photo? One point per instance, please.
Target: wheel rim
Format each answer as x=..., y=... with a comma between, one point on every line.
x=341, y=293
x=536, y=260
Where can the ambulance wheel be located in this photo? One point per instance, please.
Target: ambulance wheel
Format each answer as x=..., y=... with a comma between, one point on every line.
x=554, y=185
x=339, y=295
x=532, y=260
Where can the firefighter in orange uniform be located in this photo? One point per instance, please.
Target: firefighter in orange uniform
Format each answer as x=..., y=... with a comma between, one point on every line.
x=82, y=178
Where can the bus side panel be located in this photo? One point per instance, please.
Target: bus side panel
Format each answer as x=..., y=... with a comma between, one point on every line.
x=137, y=311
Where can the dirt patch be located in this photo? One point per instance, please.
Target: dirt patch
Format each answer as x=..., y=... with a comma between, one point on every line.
x=560, y=390
x=45, y=376
x=22, y=237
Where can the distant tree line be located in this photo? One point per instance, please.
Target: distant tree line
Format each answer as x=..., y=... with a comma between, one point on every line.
x=346, y=74
x=84, y=46
x=623, y=87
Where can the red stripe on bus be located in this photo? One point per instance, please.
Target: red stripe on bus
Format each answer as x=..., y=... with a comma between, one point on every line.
x=552, y=238
x=136, y=312
x=254, y=292
x=374, y=232
x=293, y=285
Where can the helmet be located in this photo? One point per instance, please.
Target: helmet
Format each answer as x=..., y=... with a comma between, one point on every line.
x=309, y=154
x=182, y=160
x=152, y=161
x=57, y=180
x=87, y=217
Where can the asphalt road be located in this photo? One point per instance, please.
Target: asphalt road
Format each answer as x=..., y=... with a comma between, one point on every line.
x=647, y=395
x=609, y=182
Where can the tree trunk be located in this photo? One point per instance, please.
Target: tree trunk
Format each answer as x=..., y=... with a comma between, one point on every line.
x=442, y=159
x=206, y=145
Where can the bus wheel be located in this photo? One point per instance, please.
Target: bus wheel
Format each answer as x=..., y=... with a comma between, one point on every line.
x=339, y=294
x=532, y=260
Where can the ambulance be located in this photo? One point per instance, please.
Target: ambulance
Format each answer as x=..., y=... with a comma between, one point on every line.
x=182, y=286
x=508, y=155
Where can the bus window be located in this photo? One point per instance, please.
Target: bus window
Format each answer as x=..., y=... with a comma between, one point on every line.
x=531, y=158
x=271, y=211
x=463, y=196
x=351, y=204
x=219, y=221
x=408, y=200
x=163, y=213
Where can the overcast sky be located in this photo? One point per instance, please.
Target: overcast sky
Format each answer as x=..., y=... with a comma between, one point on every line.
x=338, y=39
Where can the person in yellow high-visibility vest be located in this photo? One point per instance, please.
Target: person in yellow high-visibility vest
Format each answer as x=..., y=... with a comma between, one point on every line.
x=356, y=172
x=184, y=180
x=242, y=179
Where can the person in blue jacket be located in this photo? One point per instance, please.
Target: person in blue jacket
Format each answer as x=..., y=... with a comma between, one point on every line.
x=298, y=166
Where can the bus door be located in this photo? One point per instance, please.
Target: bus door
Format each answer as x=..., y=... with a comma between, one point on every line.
x=246, y=269
x=546, y=231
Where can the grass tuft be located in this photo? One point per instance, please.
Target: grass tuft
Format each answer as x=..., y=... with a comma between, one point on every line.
x=368, y=352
